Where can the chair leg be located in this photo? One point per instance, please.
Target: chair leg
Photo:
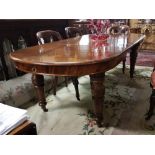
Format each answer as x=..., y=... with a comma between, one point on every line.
x=152, y=105
x=66, y=81
x=123, y=69
x=55, y=85
x=75, y=83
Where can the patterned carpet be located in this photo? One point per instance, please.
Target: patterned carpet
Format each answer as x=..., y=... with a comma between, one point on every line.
x=126, y=103
x=145, y=58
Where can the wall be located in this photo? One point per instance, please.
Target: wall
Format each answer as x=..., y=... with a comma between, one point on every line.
x=12, y=29
x=133, y=23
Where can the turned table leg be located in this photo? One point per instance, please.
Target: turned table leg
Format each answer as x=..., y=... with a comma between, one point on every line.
x=38, y=82
x=133, y=57
x=98, y=91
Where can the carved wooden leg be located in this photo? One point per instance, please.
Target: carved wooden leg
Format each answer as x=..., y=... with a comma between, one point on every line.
x=133, y=57
x=98, y=91
x=75, y=83
x=55, y=85
x=152, y=105
x=38, y=82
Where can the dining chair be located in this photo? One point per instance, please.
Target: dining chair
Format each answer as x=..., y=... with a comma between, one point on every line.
x=70, y=33
x=47, y=36
x=152, y=96
x=7, y=49
x=124, y=29
x=114, y=30
x=117, y=30
x=2, y=74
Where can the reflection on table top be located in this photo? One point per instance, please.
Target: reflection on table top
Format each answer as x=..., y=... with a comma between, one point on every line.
x=79, y=50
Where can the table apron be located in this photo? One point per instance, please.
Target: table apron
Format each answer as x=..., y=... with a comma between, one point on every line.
x=71, y=70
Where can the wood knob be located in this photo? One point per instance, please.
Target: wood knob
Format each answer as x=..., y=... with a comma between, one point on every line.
x=34, y=69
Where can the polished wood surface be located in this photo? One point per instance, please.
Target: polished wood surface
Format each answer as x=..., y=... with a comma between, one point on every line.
x=76, y=57
x=26, y=128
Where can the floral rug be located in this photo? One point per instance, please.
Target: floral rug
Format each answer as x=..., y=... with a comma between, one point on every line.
x=145, y=58
x=125, y=106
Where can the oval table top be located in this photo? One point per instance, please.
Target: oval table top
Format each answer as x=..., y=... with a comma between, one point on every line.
x=78, y=51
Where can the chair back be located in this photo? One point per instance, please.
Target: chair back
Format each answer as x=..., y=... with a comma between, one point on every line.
x=114, y=30
x=125, y=29
x=72, y=32
x=47, y=36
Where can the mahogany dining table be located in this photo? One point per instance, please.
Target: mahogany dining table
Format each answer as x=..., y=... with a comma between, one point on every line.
x=78, y=56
